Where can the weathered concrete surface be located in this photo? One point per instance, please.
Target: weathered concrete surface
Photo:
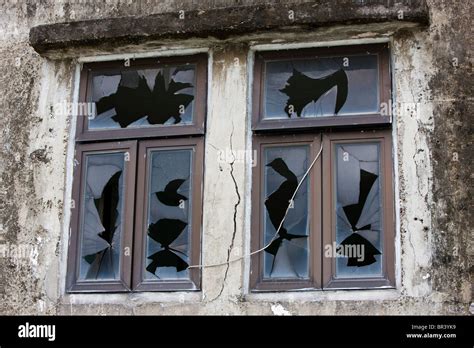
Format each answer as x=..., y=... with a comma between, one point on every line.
x=223, y=22
x=432, y=68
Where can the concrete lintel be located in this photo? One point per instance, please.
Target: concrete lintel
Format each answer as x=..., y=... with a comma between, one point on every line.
x=222, y=23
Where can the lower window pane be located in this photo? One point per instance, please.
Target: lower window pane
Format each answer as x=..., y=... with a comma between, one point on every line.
x=102, y=217
x=359, y=212
x=287, y=255
x=169, y=215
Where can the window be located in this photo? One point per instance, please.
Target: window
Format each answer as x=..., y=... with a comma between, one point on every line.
x=313, y=88
x=136, y=212
x=322, y=188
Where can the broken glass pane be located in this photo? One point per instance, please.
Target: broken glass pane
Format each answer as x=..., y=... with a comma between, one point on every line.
x=141, y=98
x=169, y=215
x=287, y=255
x=101, y=217
x=358, y=209
x=322, y=86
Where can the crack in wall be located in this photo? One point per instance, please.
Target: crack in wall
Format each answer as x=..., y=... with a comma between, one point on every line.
x=236, y=205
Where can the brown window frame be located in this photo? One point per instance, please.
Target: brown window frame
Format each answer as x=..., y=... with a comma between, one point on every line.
x=136, y=141
x=384, y=138
x=139, y=284
x=73, y=284
x=260, y=142
x=260, y=124
x=196, y=128
x=328, y=131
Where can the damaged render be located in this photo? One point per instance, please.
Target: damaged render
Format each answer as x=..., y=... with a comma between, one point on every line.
x=432, y=65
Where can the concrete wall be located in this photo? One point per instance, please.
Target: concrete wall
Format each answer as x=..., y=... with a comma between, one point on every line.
x=432, y=71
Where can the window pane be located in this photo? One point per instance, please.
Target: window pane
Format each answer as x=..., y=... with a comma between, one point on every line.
x=141, y=98
x=287, y=255
x=169, y=215
x=359, y=212
x=101, y=217
x=323, y=86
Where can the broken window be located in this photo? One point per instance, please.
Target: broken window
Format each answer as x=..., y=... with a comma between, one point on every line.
x=101, y=228
x=358, y=210
x=119, y=243
x=167, y=239
x=102, y=217
x=168, y=215
x=338, y=230
x=287, y=254
x=142, y=98
x=321, y=87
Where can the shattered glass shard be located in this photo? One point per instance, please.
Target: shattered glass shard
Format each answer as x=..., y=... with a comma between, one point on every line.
x=170, y=195
x=303, y=90
x=323, y=86
x=168, y=242
x=166, y=258
x=133, y=99
x=101, y=219
x=355, y=242
x=358, y=207
x=165, y=102
x=129, y=101
x=165, y=231
x=289, y=249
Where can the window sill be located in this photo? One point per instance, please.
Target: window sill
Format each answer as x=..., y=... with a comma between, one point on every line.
x=374, y=294
x=134, y=298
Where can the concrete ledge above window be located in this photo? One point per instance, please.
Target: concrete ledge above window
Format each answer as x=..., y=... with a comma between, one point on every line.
x=222, y=23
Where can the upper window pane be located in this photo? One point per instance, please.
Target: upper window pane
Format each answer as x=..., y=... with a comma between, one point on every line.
x=143, y=98
x=321, y=86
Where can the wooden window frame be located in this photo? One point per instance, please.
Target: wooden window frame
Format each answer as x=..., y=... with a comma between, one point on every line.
x=73, y=284
x=136, y=141
x=194, y=282
x=322, y=211
x=200, y=95
x=257, y=282
x=368, y=128
x=258, y=92
x=384, y=138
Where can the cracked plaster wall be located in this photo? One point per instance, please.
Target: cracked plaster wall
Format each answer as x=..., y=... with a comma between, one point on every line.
x=435, y=232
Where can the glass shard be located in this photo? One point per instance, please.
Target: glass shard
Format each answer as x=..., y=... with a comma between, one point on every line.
x=169, y=215
x=165, y=231
x=302, y=90
x=140, y=98
x=358, y=208
x=287, y=255
x=101, y=217
x=322, y=86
